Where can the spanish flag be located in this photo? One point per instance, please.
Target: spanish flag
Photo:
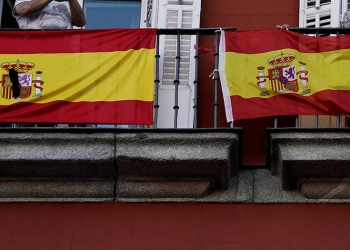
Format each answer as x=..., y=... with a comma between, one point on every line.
x=77, y=76
x=277, y=72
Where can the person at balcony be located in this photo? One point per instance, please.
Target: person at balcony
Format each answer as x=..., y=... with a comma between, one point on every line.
x=48, y=14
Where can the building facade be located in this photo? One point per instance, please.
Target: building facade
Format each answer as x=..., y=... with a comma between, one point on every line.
x=248, y=187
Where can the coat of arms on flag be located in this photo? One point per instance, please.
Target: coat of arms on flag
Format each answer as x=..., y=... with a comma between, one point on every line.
x=283, y=75
x=25, y=79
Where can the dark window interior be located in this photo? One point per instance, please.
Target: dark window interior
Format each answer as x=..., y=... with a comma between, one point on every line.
x=7, y=20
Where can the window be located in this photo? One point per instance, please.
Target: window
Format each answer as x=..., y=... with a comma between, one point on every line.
x=320, y=13
x=177, y=14
x=112, y=14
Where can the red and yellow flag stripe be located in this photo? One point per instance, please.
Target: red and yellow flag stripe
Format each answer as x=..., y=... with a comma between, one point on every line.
x=85, y=76
x=278, y=72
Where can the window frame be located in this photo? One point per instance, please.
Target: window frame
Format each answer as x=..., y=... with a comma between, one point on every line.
x=335, y=9
x=95, y=2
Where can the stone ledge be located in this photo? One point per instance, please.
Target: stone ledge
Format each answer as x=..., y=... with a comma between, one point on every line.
x=267, y=190
x=52, y=164
x=84, y=164
x=296, y=154
x=145, y=187
x=325, y=189
x=48, y=154
x=12, y=190
x=180, y=153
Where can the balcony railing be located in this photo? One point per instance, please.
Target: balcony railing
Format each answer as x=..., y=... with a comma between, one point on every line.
x=197, y=33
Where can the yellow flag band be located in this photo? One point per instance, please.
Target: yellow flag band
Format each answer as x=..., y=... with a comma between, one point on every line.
x=318, y=71
x=71, y=76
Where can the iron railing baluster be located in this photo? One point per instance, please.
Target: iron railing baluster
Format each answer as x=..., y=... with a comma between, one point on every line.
x=177, y=78
x=195, y=83
x=216, y=79
x=156, y=84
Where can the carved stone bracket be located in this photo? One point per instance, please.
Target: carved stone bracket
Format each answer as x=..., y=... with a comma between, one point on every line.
x=315, y=161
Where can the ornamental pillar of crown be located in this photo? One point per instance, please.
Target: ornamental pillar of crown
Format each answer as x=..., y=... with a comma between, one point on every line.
x=261, y=77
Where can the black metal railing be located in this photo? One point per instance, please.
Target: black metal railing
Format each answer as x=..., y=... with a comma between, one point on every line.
x=197, y=33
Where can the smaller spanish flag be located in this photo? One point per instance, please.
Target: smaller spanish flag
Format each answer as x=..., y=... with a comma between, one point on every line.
x=277, y=72
x=77, y=76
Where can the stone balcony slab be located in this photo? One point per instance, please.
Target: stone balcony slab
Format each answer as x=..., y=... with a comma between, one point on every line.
x=302, y=155
x=56, y=164
x=88, y=164
x=175, y=156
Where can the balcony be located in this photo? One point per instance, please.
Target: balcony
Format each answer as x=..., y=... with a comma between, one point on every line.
x=91, y=163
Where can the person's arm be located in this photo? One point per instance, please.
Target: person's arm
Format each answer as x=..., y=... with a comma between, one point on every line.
x=77, y=13
x=31, y=7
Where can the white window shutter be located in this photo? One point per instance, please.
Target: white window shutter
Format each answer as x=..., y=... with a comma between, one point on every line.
x=173, y=14
x=177, y=14
x=320, y=13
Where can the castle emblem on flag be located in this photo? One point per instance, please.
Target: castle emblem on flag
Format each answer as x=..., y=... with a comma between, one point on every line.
x=25, y=79
x=283, y=75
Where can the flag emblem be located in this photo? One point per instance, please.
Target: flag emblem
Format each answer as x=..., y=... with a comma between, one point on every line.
x=283, y=76
x=25, y=79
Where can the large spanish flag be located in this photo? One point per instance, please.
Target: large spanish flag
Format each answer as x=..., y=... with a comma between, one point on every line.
x=278, y=72
x=78, y=76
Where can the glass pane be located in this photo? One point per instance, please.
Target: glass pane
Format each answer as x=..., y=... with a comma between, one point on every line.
x=112, y=14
